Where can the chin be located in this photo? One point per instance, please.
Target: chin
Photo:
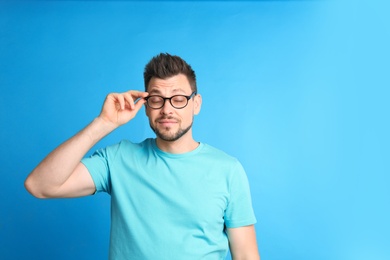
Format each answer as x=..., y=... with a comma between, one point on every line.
x=168, y=135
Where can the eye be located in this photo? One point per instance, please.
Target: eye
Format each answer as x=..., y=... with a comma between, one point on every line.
x=179, y=99
x=155, y=99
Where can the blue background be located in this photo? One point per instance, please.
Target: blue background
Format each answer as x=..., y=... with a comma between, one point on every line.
x=297, y=90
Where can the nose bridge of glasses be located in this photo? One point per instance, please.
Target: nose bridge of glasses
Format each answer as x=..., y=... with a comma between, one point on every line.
x=164, y=102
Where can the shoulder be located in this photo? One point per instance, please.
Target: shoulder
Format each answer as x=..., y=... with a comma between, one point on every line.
x=124, y=146
x=217, y=153
x=218, y=156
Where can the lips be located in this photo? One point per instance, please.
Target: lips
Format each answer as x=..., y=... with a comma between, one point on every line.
x=167, y=121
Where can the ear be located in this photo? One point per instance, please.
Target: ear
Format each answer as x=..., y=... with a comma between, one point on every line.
x=197, y=104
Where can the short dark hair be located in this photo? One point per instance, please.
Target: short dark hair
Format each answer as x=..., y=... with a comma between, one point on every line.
x=165, y=65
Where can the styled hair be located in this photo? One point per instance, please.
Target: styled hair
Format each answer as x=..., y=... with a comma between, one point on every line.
x=165, y=65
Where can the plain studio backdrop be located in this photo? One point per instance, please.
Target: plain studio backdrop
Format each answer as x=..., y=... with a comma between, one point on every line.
x=298, y=91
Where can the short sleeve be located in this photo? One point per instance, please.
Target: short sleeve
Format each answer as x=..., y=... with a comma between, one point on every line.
x=239, y=210
x=98, y=166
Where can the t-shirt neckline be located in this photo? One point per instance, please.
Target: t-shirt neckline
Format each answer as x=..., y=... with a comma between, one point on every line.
x=175, y=155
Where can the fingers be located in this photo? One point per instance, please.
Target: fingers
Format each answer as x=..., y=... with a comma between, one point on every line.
x=120, y=99
x=132, y=99
x=119, y=108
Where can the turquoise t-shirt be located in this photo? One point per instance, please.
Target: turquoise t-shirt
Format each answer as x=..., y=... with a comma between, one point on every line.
x=171, y=206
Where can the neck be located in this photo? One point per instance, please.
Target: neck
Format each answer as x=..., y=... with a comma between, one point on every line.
x=176, y=147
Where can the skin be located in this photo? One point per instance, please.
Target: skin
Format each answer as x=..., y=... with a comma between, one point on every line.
x=169, y=123
x=62, y=175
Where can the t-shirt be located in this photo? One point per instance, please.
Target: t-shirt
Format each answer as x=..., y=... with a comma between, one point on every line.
x=171, y=206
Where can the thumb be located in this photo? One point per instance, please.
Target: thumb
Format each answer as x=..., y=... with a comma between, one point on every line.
x=139, y=104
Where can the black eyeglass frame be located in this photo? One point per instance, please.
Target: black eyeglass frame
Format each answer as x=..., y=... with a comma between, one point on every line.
x=170, y=100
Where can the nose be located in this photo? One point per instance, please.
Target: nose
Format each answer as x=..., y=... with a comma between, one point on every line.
x=167, y=108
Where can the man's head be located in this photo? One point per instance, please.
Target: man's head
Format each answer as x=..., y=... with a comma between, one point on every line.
x=173, y=100
x=165, y=66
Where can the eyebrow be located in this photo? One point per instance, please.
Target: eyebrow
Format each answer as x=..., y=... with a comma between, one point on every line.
x=174, y=91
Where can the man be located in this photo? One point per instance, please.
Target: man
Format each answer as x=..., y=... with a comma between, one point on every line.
x=171, y=197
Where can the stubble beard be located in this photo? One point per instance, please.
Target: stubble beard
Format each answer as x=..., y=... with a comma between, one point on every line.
x=170, y=137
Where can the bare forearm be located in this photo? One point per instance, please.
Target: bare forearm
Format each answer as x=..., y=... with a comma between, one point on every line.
x=254, y=256
x=58, y=166
x=243, y=244
x=250, y=253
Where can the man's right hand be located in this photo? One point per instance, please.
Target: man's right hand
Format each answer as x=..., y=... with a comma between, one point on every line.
x=120, y=108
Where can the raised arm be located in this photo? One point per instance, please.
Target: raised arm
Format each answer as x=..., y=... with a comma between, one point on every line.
x=242, y=243
x=61, y=174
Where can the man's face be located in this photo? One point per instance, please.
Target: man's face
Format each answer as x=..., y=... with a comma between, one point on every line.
x=170, y=123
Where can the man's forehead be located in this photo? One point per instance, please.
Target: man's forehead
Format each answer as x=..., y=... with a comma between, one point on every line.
x=175, y=84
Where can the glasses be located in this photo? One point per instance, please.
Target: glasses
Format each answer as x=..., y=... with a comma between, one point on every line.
x=177, y=101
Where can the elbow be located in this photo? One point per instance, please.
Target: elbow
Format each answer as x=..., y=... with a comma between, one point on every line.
x=33, y=190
